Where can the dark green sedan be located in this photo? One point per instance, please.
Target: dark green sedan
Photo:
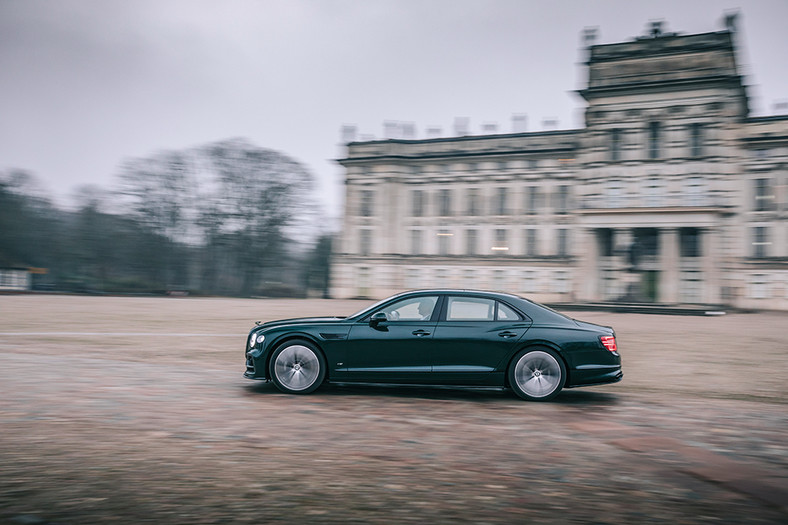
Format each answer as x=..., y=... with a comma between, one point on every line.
x=438, y=337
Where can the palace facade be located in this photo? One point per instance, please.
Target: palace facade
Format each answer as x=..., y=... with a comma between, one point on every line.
x=672, y=193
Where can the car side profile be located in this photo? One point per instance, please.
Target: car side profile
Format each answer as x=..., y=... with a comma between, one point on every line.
x=438, y=337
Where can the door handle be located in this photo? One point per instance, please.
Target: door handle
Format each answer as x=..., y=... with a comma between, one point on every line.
x=420, y=333
x=507, y=334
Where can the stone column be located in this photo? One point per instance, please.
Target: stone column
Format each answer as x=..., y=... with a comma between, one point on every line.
x=711, y=278
x=586, y=279
x=668, y=265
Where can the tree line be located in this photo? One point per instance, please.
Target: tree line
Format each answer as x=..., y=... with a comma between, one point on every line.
x=226, y=218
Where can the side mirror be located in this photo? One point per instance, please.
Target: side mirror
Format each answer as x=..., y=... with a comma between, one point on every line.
x=377, y=318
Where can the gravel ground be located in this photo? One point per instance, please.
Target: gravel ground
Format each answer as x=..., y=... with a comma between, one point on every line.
x=112, y=410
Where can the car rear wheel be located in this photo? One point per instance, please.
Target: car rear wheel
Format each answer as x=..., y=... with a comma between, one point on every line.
x=537, y=374
x=297, y=367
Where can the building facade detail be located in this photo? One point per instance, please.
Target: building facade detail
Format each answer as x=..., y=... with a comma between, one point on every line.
x=671, y=193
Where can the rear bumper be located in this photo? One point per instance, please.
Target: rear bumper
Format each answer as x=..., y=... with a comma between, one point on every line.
x=585, y=375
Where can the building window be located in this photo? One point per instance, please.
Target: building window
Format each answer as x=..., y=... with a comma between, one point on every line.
x=366, y=203
x=473, y=202
x=691, y=287
x=614, y=191
x=530, y=242
x=689, y=242
x=696, y=140
x=500, y=245
x=764, y=199
x=606, y=239
x=418, y=203
x=500, y=201
x=444, y=203
x=562, y=199
x=655, y=192
x=363, y=281
x=532, y=200
x=561, y=281
x=760, y=242
x=365, y=241
x=615, y=145
x=759, y=286
x=471, y=242
x=653, y=140
x=647, y=242
x=415, y=242
x=563, y=235
x=444, y=238
x=695, y=191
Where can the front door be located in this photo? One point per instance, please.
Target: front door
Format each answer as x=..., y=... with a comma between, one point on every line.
x=396, y=350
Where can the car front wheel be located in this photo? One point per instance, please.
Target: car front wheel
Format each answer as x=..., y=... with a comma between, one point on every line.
x=537, y=374
x=297, y=367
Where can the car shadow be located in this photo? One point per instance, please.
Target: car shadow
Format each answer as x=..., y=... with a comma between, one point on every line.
x=572, y=397
x=447, y=393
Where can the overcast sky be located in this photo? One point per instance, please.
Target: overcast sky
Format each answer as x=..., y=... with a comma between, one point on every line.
x=85, y=84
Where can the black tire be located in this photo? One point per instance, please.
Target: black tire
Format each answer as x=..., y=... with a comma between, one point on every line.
x=297, y=367
x=537, y=374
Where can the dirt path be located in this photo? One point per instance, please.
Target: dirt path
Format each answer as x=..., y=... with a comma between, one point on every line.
x=110, y=411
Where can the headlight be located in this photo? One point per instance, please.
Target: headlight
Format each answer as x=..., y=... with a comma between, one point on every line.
x=260, y=338
x=251, y=340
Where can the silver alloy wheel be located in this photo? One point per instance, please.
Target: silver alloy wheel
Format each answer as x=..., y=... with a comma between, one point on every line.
x=538, y=374
x=297, y=367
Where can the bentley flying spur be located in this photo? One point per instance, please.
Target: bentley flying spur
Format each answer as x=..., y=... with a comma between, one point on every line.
x=438, y=337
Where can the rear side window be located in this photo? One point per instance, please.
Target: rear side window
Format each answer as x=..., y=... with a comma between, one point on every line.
x=479, y=309
x=470, y=309
x=507, y=314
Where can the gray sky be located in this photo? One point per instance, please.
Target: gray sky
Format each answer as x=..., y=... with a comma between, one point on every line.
x=85, y=84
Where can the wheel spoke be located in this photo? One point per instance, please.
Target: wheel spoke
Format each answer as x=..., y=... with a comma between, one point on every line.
x=538, y=374
x=297, y=367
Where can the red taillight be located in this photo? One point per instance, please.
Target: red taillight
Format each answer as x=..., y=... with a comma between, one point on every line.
x=609, y=342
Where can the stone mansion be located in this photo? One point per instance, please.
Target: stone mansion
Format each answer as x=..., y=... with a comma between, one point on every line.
x=672, y=193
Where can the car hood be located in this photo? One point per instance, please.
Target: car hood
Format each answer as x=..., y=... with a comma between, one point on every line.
x=595, y=327
x=298, y=320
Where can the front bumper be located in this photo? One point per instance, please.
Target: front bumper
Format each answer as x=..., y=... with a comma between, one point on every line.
x=255, y=365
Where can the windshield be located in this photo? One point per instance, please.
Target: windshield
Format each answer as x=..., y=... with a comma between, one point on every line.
x=368, y=308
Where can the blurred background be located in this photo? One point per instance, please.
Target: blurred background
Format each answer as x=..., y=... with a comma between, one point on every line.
x=572, y=151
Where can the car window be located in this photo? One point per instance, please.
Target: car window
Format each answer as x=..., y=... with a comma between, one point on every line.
x=411, y=309
x=470, y=309
x=507, y=314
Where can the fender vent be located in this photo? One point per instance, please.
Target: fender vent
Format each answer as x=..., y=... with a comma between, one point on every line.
x=333, y=337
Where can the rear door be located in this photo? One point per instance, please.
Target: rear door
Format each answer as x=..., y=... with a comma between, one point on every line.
x=473, y=336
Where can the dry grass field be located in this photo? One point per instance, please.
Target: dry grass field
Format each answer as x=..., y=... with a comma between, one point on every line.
x=134, y=410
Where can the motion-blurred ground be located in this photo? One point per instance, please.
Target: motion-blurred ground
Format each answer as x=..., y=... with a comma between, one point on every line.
x=112, y=410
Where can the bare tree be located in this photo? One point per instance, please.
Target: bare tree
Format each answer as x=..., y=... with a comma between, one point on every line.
x=241, y=204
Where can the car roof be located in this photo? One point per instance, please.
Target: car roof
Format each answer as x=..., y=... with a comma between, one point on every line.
x=464, y=291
